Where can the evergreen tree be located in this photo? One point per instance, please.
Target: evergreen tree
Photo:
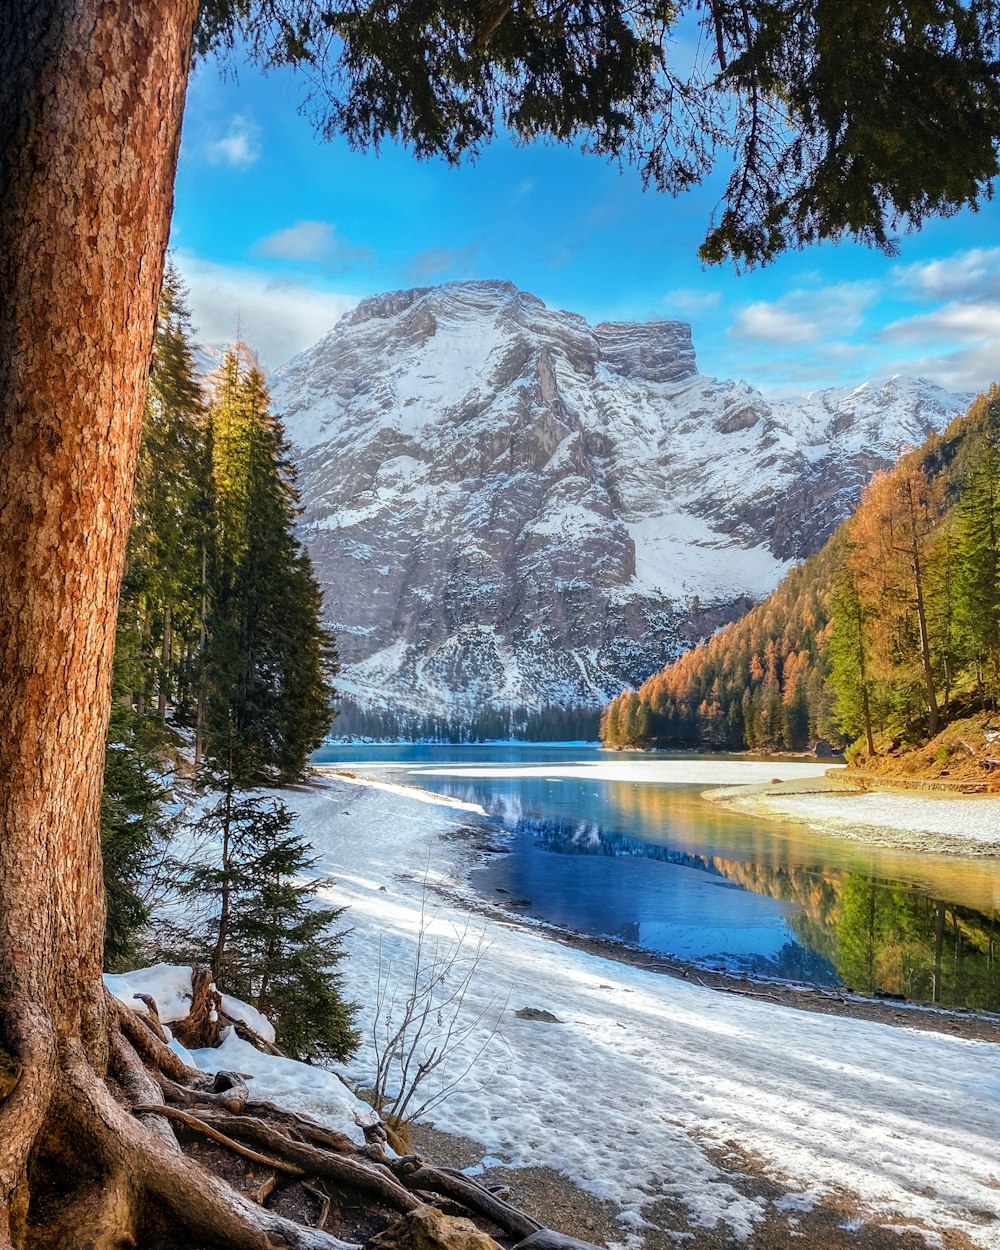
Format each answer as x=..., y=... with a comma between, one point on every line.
x=849, y=672
x=283, y=950
x=306, y=707
x=977, y=581
x=268, y=659
x=133, y=823
x=264, y=940
x=172, y=514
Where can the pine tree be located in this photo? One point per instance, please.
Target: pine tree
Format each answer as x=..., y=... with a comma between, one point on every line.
x=133, y=821
x=268, y=660
x=849, y=673
x=306, y=708
x=284, y=951
x=158, y=620
x=977, y=581
x=264, y=940
x=171, y=518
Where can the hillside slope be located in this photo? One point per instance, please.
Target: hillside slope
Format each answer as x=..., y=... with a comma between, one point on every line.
x=887, y=634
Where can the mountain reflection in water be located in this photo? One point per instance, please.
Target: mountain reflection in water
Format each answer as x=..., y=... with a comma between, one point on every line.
x=830, y=926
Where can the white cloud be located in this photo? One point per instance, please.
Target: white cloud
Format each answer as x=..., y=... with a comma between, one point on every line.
x=690, y=301
x=276, y=317
x=805, y=315
x=775, y=323
x=957, y=344
x=314, y=241
x=951, y=324
x=968, y=369
x=973, y=274
x=238, y=145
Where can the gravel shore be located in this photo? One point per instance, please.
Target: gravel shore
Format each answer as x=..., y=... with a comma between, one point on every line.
x=930, y=821
x=789, y=1219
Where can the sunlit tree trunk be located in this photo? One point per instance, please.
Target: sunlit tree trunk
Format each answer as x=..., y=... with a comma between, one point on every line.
x=91, y=98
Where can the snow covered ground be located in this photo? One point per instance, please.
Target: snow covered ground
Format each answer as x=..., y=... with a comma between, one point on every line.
x=928, y=822
x=646, y=1073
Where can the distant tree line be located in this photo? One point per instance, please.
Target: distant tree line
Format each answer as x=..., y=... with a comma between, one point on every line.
x=881, y=637
x=221, y=661
x=487, y=724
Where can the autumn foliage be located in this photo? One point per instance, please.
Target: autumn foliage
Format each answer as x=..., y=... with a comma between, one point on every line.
x=880, y=637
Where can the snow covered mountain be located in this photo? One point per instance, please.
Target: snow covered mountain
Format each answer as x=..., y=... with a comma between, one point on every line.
x=509, y=506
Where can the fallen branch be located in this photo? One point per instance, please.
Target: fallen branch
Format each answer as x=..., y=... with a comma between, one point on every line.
x=247, y=1034
x=324, y=1200
x=199, y=1126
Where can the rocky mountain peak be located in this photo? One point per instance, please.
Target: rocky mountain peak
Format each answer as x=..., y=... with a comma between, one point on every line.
x=508, y=506
x=655, y=351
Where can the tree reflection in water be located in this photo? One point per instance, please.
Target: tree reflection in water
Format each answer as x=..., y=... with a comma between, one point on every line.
x=859, y=931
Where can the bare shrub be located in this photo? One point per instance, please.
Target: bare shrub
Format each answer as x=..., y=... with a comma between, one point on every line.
x=426, y=1041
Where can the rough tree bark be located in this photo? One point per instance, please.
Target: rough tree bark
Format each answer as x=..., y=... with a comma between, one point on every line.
x=91, y=98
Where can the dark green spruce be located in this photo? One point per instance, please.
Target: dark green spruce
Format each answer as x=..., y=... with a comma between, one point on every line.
x=221, y=645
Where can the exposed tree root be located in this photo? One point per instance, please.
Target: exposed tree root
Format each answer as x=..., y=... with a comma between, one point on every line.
x=103, y=1163
x=358, y=1174
x=199, y=1126
x=228, y=1091
x=416, y=1174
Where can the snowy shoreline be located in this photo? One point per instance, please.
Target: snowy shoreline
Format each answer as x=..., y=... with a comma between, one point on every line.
x=929, y=821
x=648, y=1076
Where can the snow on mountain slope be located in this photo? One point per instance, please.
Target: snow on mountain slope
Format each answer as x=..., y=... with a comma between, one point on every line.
x=508, y=505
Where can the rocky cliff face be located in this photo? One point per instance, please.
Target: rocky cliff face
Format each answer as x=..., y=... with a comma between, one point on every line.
x=509, y=506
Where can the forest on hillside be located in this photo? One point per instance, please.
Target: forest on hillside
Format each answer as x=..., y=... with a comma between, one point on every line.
x=892, y=629
x=488, y=723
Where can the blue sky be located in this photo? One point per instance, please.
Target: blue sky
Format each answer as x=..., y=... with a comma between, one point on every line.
x=281, y=233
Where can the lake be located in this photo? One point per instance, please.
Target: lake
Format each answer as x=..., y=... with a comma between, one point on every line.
x=597, y=846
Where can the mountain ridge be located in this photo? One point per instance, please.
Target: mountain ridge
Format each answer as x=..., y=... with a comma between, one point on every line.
x=508, y=506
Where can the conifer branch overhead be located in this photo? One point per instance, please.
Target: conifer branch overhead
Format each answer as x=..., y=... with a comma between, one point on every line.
x=850, y=120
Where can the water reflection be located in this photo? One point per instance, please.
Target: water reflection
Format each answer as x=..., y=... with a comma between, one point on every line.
x=819, y=924
x=658, y=865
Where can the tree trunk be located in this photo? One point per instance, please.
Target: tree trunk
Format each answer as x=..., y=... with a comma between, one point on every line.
x=166, y=656
x=91, y=98
x=914, y=539
x=925, y=648
x=199, y=735
x=863, y=667
x=224, y=893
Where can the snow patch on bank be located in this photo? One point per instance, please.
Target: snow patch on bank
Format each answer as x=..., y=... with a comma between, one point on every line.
x=409, y=792
x=296, y=1086
x=168, y=984
x=930, y=822
x=243, y=1013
